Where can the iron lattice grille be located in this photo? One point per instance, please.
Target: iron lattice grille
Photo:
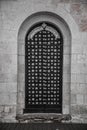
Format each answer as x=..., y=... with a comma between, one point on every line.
x=44, y=56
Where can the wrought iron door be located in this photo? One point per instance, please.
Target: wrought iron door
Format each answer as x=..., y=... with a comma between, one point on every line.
x=43, y=69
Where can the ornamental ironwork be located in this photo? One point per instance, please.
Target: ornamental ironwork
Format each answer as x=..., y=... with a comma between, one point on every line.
x=43, y=69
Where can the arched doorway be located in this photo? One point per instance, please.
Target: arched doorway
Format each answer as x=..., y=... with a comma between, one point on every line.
x=56, y=27
x=43, y=69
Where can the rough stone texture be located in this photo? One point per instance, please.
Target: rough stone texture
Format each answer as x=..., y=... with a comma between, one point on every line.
x=12, y=15
x=43, y=118
x=78, y=11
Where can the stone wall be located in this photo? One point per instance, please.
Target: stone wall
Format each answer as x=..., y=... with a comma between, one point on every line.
x=12, y=15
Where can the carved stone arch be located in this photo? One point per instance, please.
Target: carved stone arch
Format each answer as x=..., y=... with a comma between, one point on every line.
x=63, y=27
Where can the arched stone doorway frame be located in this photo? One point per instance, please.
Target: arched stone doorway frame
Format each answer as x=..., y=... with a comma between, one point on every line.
x=62, y=25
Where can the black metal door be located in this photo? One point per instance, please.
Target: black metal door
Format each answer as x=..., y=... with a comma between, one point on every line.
x=43, y=69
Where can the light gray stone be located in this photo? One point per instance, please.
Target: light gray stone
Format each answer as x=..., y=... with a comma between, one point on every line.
x=75, y=109
x=8, y=87
x=13, y=98
x=6, y=78
x=66, y=78
x=73, y=99
x=21, y=49
x=8, y=48
x=21, y=60
x=5, y=99
x=80, y=99
x=21, y=68
x=6, y=109
x=21, y=77
x=85, y=98
x=1, y=108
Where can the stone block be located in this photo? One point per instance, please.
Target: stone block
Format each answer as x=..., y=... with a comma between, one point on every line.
x=67, y=50
x=66, y=88
x=74, y=88
x=4, y=98
x=81, y=58
x=66, y=69
x=21, y=97
x=81, y=78
x=76, y=119
x=9, y=10
x=83, y=24
x=66, y=109
x=73, y=99
x=66, y=99
x=6, y=78
x=75, y=109
x=9, y=35
x=10, y=117
x=8, y=68
x=78, y=13
x=1, y=108
x=79, y=1
x=8, y=48
x=8, y=87
x=85, y=98
x=6, y=109
x=8, y=58
x=86, y=78
x=66, y=78
x=21, y=87
x=82, y=110
x=21, y=68
x=85, y=50
x=77, y=48
x=12, y=109
x=73, y=78
x=21, y=60
x=78, y=68
x=21, y=77
x=21, y=49
x=80, y=99
x=66, y=59
x=76, y=8
x=55, y=2
x=13, y=98
x=74, y=58
x=81, y=88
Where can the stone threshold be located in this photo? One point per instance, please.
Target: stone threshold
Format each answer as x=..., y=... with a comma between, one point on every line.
x=43, y=117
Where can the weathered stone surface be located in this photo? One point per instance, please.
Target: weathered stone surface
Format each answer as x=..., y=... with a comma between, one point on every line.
x=6, y=109
x=1, y=108
x=79, y=1
x=83, y=24
x=73, y=98
x=8, y=65
x=75, y=109
x=12, y=15
x=8, y=48
x=78, y=12
x=80, y=99
x=6, y=78
x=8, y=87
x=21, y=69
x=8, y=98
x=5, y=99
x=42, y=118
x=85, y=98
